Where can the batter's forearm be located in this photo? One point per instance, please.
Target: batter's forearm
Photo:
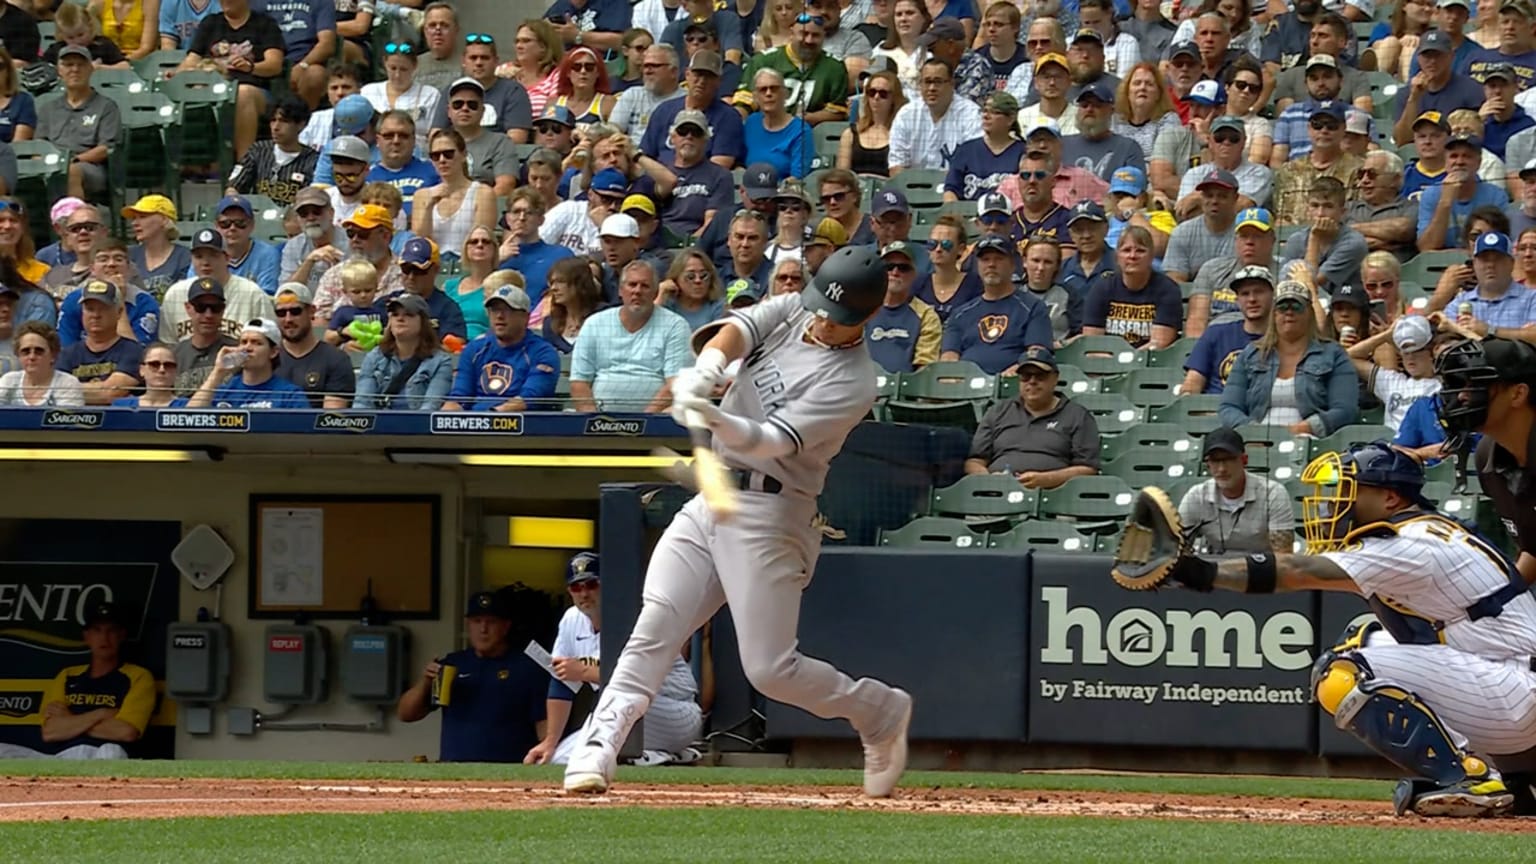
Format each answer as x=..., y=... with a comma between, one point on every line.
x=730, y=340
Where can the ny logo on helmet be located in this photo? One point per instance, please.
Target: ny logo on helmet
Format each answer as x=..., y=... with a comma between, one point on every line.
x=834, y=291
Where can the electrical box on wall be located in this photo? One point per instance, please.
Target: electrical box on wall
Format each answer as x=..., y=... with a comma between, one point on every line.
x=295, y=668
x=372, y=663
x=197, y=662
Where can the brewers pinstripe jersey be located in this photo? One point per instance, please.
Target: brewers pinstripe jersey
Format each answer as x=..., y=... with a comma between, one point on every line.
x=260, y=173
x=1436, y=568
x=815, y=395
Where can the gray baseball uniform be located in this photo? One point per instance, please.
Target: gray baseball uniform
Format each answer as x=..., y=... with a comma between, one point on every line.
x=762, y=560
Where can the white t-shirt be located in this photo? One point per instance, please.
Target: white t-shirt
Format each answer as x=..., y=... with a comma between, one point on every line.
x=64, y=391
x=419, y=102
x=568, y=224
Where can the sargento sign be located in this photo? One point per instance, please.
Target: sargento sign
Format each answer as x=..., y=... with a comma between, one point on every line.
x=45, y=604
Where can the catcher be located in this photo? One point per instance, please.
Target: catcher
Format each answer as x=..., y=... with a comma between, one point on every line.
x=1447, y=671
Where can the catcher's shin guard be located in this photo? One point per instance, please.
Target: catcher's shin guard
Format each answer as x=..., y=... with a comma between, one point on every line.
x=1391, y=721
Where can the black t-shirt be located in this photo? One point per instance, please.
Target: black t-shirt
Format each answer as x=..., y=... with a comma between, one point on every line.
x=1511, y=488
x=18, y=33
x=103, y=51
x=216, y=40
x=325, y=370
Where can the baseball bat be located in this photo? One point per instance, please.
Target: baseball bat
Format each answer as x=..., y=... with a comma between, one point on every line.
x=708, y=472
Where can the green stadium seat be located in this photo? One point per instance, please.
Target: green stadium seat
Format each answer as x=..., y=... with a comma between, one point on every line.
x=1043, y=535
x=1170, y=437
x=138, y=161
x=1140, y=467
x=206, y=102
x=1443, y=471
x=1425, y=268
x=964, y=209
x=1173, y=356
x=1348, y=437
x=947, y=393
x=41, y=173
x=984, y=498
x=152, y=68
x=1273, y=464
x=1195, y=412
x=1113, y=412
x=931, y=532
x=1098, y=503
x=1147, y=387
x=827, y=137
x=1273, y=439
x=1461, y=505
x=1101, y=355
x=119, y=79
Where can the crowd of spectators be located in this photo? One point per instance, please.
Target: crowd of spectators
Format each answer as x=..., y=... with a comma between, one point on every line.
x=467, y=230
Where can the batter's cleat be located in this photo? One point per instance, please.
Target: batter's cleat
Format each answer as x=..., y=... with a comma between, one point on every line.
x=886, y=758
x=1473, y=798
x=590, y=771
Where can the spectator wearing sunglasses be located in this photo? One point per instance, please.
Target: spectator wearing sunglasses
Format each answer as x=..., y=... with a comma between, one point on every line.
x=318, y=368
x=256, y=260
x=158, y=371
x=82, y=228
x=446, y=210
x=950, y=285
x=398, y=164
x=194, y=354
x=658, y=82
x=1229, y=152
x=904, y=333
x=280, y=166
x=994, y=330
x=492, y=158
x=309, y=39
x=505, y=106
x=354, y=112
x=721, y=26
x=844, y=44
x=403, y=90
x=815, y=84
x=723, y=126
x=981, y=164
x=1378, y=211
x=244, y=299
x=370, y=231
x=771, y=133
x=575, y=224
x=1088, y=226
x=794, y=208
x=251, y=382
x=109, y=262
x=703, y=188
x=1294, y=180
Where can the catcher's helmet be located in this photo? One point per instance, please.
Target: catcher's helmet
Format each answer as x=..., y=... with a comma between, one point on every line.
x=1328, y=513
x=849, y=287
x=1467, y=369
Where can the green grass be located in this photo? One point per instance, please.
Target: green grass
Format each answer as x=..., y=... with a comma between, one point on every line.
x=1294, y=787
x=723, y=835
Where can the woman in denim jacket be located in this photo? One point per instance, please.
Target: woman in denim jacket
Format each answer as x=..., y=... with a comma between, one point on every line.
x=1290, y=377
x=408, y=370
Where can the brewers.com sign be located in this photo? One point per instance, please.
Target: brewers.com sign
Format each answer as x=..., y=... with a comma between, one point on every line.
x=1171, y=668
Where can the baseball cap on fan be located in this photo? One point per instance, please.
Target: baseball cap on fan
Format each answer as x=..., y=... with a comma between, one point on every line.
x=353, y=114
x=1412, y=333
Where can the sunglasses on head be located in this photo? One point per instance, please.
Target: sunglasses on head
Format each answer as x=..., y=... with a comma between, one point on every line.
x=404, y=48
x=11, y=207
x=808, y=18
x=478, y=39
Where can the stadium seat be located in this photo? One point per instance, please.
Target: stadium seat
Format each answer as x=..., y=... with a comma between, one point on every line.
x=1097, y=503
x=917, y=180
x=1113, y=412
x=206, y=103
x=1272, y=463
x=41, y=171
x=1277, y=440
x=152, y=68
x=1173, y=356
x=827, y=136
x=984, y=498
x=119, y=79
x=947, y=393
x=1150, y=466
x=932, y=532
x=1101, y=355
x=1170, y=437
x=1195, y=412
x=964, y=209
x=1425, y=268
x=1461, y=505
x=1348, y=437
x=138, y=161
x=1147, y=387
x=1297, y=490
x=1443, y=471
x=1044, y=535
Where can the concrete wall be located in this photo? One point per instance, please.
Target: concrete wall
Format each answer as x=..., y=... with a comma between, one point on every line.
x=500, y=19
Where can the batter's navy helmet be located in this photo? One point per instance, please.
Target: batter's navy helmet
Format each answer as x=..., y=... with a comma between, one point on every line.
x=849, y=287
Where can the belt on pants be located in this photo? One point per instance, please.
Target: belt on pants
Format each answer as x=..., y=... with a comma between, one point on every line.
x=755, y=481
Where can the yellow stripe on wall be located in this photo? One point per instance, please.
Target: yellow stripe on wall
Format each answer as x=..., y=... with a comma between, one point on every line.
x=551, y=533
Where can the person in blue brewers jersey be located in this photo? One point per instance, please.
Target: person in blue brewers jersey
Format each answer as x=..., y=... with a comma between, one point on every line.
x=309, y=37
x=256, y=260
x=257, y=385
x=904, y=333
x=507, y=369
x=994, y=330
x=1209, y=363
x=105, y=362
x=980, y=164
x=398, y=164
x=493, y=706
x=1434, y=88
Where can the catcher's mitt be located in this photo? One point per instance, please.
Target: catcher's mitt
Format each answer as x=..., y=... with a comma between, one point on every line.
x=1152, y=544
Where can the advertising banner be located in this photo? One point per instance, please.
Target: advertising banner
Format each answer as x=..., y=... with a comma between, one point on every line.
x=1167, y=668
x=51, y=572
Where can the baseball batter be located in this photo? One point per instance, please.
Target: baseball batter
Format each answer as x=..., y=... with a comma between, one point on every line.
x=805, y=381
x=1450, y=677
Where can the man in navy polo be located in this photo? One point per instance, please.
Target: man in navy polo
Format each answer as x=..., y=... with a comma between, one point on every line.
x=419, y=265
x=493, y=707
x=993, y=330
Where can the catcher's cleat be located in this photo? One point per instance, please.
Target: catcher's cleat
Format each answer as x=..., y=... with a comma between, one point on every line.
x=1152, y=544
x=1473, y=798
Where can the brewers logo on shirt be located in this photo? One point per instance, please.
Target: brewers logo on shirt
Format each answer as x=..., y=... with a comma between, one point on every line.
x=496, y=377
x=992, y=327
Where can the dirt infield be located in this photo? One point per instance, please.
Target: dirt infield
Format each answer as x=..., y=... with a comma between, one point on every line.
x=31, y=799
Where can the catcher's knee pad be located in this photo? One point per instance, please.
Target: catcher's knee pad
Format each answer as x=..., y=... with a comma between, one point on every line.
x=1391, y=720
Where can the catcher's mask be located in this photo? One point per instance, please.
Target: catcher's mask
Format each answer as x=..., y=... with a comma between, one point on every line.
x=1465, y=373
x=1328, y=514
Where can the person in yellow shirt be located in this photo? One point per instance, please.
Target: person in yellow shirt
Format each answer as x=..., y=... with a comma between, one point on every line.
x=92, y=710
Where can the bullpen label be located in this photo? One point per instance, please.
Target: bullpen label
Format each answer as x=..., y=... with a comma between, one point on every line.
x=212, y=420
x=455, y=423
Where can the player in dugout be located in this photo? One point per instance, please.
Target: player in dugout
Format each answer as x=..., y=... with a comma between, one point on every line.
x=91, y=711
